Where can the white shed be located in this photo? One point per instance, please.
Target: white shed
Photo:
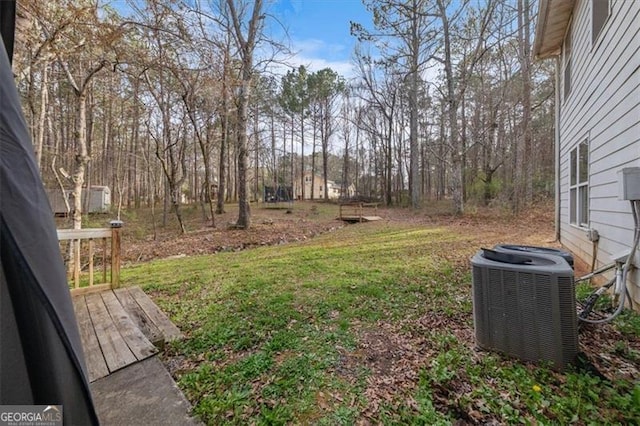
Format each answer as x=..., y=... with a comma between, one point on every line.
x=99, y=199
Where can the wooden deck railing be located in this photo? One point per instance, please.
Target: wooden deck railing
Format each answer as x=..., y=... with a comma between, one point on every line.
x=353, y=211
x=90, y=257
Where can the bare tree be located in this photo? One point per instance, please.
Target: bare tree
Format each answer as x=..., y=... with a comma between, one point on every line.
x=456, y=84
x=404, y=33
x=524, y=54
x=451, y=77
x=162, y=77
x=382, y=93
x=80, y=76
x=326, y=86
x=246, y=30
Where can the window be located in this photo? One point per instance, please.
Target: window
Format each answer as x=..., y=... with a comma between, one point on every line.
x=579, y=185
x=566, y=55
x=600, y=10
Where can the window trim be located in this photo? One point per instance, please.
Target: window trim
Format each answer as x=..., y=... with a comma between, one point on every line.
x=575, y=172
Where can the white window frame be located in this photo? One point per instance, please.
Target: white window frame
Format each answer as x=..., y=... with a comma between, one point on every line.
x=579, y=185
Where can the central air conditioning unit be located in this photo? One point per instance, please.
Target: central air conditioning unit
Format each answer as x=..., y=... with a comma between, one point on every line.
x=524, y=306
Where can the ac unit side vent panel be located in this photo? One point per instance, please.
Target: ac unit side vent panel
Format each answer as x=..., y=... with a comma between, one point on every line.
x=526, y=310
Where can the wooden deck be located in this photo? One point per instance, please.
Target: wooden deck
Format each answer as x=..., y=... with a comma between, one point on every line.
x=356, y=219
x=120, y=327
x=359, y=212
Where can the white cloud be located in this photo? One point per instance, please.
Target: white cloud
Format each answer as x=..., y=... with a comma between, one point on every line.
x=343, y=68
x=316, y=55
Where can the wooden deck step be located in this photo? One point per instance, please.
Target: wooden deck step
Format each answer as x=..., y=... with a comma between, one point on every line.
x=110, y=338
x=140, y=319
x=147, y=315
x=120, y=327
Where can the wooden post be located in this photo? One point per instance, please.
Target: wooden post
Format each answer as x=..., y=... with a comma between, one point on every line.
x=90, y=262
x=104, y=260
x=115, y=252
x=76, y=263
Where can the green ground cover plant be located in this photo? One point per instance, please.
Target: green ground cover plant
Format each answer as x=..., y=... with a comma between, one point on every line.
x=371, y=323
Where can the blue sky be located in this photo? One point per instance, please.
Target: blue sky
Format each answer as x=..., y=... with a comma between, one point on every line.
x=319, y=31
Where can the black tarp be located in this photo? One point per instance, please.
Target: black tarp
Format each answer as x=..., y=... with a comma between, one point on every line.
x=41, y=358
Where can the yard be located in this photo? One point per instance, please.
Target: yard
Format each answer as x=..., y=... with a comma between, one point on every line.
x=304, y=320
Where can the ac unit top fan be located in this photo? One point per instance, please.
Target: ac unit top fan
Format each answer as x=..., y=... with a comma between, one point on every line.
x=524, y=306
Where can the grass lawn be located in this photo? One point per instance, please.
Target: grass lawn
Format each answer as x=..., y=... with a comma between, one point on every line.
x=371, y=323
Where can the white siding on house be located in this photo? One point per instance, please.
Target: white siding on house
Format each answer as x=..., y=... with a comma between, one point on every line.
x=603, y=107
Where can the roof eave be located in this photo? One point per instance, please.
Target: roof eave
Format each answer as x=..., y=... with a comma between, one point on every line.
x=552, y=23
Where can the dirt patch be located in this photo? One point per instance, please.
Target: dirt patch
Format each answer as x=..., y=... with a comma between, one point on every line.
x=269, y=227
x=393, y=360
x=306, y=220
x=394, y=354
x=609, y=353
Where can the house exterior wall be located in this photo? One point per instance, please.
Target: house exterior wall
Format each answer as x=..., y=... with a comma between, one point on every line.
x=604, y=109
x=333, y=189
x=309, y=180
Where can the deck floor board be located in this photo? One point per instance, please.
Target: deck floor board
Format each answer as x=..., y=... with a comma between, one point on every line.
x=114, y=348
x=139, y=345
x=168, y=329
x=137, y=315
x=96, y=365
x=116, y=329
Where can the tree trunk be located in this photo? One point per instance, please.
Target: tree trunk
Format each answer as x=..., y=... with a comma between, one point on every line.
x=414, y=170
x=324, y=134
x=456, y=181
x=292, y=163
x=389, y=164
x=246, y=43
x=525, y=67
x=256, y=165
x=244, y=207
x=81, y=160
x=134, y=176
x=302, y=194
x=222, y=161
x=313, y=160
x=44, y=92
x=206, y=159
x=273, y=156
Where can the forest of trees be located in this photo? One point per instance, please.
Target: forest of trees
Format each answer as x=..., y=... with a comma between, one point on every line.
x=173, y=102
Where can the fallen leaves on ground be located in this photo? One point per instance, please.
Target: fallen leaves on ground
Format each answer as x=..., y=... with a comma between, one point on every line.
x=393, y=355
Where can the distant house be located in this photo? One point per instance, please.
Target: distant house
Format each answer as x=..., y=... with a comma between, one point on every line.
x=333, y=189
x=596, y=47
x=348, y=191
